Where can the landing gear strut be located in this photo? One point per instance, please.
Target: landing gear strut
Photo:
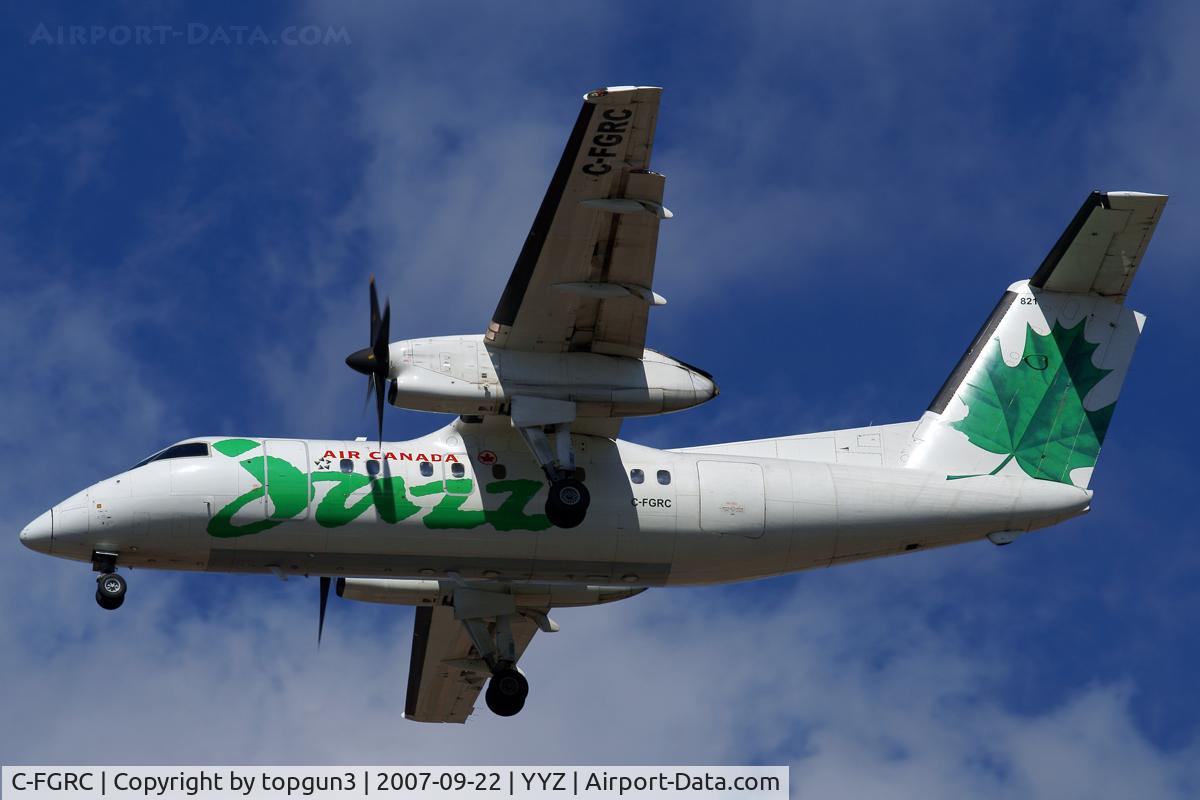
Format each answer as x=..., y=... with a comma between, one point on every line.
x=110, y=587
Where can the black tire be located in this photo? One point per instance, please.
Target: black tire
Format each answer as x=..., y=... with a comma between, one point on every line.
x=111, y=586
x=108, y=603
x=567, y=503
x=506, y=692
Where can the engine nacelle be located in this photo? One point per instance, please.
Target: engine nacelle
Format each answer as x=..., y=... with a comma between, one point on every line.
x=388, y=590
x=404, y=592
x=463, y=375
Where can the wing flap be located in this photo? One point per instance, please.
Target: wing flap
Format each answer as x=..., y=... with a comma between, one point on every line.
x=620, y=327
x=598, y=224
x=1100, y=250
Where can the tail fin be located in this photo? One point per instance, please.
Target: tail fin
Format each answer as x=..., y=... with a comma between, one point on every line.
x=1034, y=393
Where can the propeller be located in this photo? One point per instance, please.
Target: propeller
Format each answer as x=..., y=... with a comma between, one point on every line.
x=373, y=361
x=324, y=602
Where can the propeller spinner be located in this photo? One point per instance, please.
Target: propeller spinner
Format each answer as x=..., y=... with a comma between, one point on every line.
x=373, y=361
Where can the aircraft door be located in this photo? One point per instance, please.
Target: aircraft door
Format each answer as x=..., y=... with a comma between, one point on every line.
x=732, y=498
x=287, y=479
x=251, y=475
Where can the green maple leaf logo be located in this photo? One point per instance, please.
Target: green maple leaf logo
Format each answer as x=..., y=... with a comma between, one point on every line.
x=1034, y=412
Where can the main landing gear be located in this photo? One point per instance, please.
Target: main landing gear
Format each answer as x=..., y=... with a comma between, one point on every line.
x=568, y=500
x=110, y=587
x=507, y=688
x=488, y=620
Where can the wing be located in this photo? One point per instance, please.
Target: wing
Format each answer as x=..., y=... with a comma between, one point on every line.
x=1100, y=250
x=583, y=279
x=445, y=674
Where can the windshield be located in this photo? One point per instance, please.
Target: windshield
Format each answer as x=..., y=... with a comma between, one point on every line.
x=185, y=450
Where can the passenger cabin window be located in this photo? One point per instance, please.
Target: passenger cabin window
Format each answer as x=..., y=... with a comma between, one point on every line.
x=185, y=450
x=499, y=471
x=457, y=485
x=637, y=476
x=427, y=469
x=346, y=465
x=372, y=468
x=664, y=477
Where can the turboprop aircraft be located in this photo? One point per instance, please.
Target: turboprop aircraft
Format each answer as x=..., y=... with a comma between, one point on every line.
x=528, y=501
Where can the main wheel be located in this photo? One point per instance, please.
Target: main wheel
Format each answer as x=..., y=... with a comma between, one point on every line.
x=110, y=591
x=506, y=692
x=567, y=504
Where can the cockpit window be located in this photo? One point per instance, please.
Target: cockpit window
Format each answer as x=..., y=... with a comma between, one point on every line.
x=185, y=450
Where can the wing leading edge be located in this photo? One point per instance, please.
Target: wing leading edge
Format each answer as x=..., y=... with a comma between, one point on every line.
x=583, y=279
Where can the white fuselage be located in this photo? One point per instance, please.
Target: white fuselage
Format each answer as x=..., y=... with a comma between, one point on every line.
x=467, y=501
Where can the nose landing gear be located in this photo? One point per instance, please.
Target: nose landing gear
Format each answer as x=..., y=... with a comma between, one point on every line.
x=110, y=587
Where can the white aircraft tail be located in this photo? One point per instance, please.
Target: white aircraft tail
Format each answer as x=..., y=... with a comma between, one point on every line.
x=1035, y=392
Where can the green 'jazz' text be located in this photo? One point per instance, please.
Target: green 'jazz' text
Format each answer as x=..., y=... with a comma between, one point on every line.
x=290, y=491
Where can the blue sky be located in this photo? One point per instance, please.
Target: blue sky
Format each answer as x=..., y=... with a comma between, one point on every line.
x=186, y=231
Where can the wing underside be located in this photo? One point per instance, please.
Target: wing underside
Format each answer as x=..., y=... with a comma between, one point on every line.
x=583, y=279
x=445, y=673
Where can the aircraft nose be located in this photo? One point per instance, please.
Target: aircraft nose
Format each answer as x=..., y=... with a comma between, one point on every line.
x=37, y=534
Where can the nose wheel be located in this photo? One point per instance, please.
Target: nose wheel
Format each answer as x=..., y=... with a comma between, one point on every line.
x=110, y=591
x=506, y=692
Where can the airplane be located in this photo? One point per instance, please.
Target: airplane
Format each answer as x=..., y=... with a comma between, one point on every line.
x=528, y=500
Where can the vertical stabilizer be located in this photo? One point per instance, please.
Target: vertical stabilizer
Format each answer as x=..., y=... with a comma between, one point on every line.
x=1035, y=392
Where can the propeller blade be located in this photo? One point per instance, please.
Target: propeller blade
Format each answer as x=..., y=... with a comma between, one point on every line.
x=374, y=311
x=374, y=360
x=379, y=345
x=383, y=363
x=370, y=391
x=379, y=389
x=324, y=602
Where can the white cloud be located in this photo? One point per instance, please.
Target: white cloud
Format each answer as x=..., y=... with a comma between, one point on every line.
x=839, y=674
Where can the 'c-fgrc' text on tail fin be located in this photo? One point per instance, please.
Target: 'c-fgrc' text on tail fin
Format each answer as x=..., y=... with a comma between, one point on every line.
x=1035, y=392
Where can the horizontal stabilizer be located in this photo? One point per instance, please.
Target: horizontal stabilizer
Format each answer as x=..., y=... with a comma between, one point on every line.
x=1100, y=250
